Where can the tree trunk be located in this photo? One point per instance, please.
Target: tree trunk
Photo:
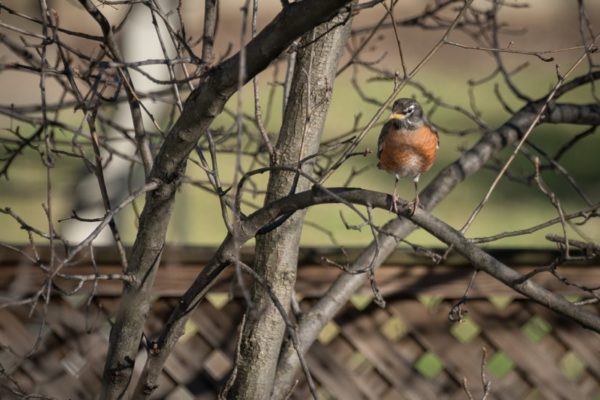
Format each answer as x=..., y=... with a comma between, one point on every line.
x=277, y=252
x=201, y=107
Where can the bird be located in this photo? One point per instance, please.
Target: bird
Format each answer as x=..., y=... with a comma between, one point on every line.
x=407, y=146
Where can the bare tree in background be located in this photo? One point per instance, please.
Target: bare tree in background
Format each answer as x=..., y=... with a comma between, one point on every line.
x=304, y=44
x=141, y=25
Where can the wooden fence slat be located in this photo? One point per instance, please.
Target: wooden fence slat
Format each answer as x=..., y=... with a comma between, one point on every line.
x=313, y=280
x=188, y=358
x=398, y=371
x=585, y=343
x=541, y=368
x=14, y=333
x=334, y=377
x=461, y=360
x=215, y=326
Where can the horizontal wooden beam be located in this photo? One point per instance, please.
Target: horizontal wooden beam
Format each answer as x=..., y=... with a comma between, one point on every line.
x=404, y=274
x=201, y=254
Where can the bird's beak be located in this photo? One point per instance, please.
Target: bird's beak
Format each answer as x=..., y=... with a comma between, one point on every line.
x=397, y=116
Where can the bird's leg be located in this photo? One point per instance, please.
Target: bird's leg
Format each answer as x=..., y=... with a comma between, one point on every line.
x=395, y=195
x=415, y=202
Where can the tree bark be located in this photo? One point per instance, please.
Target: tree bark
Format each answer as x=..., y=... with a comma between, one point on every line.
x=202, y=106
x=277, y=251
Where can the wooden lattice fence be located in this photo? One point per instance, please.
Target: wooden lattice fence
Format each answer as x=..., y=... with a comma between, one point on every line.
x=409, y=350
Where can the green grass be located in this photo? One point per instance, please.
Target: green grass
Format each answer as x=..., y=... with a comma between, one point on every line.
x=500, y=365
x=429, y=365
x=197, y=219
x=465, y=331
x=536, y=329
x=572, y=366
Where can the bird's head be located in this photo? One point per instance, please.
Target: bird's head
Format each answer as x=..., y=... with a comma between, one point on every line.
x=406, y=109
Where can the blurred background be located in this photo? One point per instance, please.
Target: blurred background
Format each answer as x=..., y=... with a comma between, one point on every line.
x=535, y=25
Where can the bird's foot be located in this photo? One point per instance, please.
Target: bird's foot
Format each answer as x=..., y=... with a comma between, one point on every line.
x=394, y=206
x=413, y=205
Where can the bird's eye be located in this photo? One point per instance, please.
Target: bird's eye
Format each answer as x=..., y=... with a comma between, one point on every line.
x=410, y=109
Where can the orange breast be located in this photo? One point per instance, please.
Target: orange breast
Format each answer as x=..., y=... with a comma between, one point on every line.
x=408, y=153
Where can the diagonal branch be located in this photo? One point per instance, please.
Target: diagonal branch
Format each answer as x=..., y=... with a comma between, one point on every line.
x=422, y=218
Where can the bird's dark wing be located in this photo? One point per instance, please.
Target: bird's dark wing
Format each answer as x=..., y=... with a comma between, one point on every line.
x=381, y=140
x=387, y=129
x=435, y=132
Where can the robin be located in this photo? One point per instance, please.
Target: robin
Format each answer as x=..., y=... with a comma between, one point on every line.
x=407, y=145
